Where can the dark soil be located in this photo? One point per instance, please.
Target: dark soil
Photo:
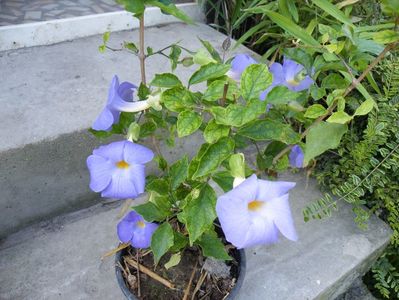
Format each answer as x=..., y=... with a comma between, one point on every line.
x=212, y=288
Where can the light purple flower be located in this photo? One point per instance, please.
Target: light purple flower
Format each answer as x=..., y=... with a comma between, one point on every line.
x=255, y=211
x=120, y=98
x=290, y=75
x=239, y=64
x=117, y=170
x=135, y=230
x=296, y=157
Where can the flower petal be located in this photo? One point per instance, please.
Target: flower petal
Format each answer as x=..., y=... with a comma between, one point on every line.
x=105, y=120
x=262, y=231
x=268, y=190
x=245, y=191
x=291, y=69
x=125, y=230
x=303, y=84
x=142, y=236
x=126, y=90
x=137, y=176
x=112, y=151
x=296, y=157
x=137, y=154
x=239, y=64
x=278, y=210
x=113, y=89
x=278, y=73
x=234, y=219
x=100, y=172
x=121, y=186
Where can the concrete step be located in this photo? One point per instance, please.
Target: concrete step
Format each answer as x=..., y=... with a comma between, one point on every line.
x=49, y=97
x=60, y=259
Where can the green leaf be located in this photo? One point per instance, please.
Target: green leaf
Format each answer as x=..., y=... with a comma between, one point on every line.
x=213, y=132
x=212, y=51
x=106, y=37
x=292, y=28
x=321, y=137
x=288, y=9
x=135, y=7
x=143, y=91
x=333, y=11
x=386, y=36
x=131, y=46
x=173, y=261
x=169, y=9
x=100, y=134
x=238, y=115
x=315, y=111
x=150, y=212
x=212, y=246
x=162, y=240
x=177, y=99
x=334, y=81
x=178, y=172
x=159, y=186
x=188, y=122
x=214, y=155
x=174, y=55
x=133, y=133
x=365, y=108
x=254, y=80
x=300, y=56
x=237, y=165
x=166, y=80
x=180, y=241
x=147, y=128
x=199, y=213
x=224, y=180
x=268, y=129
x=339, y=117
x=207, y=72
x=281, y=95
x=316, y=92
x=215, y=91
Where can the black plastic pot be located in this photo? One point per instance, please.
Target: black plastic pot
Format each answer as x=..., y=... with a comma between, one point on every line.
x=239, y=255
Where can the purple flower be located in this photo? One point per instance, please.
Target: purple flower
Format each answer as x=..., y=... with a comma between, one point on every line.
x=289, y=74
x=117, y=170
x=296, y=157
x=120, y=98
x=135, y=230
x=255, y=211
x=239, y=64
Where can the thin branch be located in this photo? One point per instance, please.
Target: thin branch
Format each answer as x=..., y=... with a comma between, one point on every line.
x=141, y=52
x=150, y=273
x=330, y=110
x=188, y=288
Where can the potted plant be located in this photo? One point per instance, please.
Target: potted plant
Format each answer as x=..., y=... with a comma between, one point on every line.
x=186, y=239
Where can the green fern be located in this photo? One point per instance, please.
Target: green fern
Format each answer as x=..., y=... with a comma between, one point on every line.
x=366, y=173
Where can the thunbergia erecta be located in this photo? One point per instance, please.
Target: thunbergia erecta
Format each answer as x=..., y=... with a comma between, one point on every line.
x=135, y=230
x=239, y=63
x=120, y=98
x=117, y=170
x=255, y=211
x=296, y=157
x=290, y=74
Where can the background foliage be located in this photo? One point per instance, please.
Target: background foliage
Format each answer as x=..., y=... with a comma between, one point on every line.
x=364, y=170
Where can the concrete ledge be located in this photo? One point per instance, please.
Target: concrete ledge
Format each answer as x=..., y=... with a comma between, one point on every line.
x=55, y=31
x=60, y=259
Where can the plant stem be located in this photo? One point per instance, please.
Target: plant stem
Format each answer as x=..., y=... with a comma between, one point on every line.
x=141, y=51
x=330, y=110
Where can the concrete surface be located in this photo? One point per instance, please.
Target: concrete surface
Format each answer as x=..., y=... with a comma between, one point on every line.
x=60, y=30
x=61, y=259
x=49, y=96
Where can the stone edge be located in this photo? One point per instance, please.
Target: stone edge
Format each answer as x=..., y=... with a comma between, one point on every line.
x=56, y=31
